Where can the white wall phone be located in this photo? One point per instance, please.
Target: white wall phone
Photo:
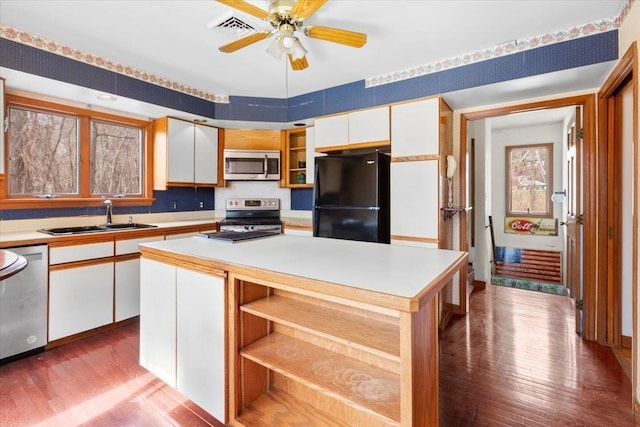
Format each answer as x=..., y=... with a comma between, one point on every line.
x=451, y=170
x=451, y=166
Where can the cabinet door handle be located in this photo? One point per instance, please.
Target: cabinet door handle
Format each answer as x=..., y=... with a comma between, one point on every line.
x=266, y=166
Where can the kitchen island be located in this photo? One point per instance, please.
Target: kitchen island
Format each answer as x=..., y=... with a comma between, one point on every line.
x=305, y=330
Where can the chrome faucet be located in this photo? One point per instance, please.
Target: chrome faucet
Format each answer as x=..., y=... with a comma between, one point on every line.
x=109, y=210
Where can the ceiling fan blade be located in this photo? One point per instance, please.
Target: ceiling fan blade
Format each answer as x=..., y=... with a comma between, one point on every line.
x=305, y=8
x=244, y=42
x=298, y=64
x=247, y=8
x=349, y=38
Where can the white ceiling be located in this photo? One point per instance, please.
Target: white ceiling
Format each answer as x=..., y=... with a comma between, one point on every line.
x=170, y=39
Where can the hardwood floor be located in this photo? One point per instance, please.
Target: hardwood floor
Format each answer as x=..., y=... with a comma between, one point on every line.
x=513, y=361
x=93, y=382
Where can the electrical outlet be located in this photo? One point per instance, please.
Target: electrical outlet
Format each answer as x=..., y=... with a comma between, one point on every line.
x=174, y=205
x=201, y=204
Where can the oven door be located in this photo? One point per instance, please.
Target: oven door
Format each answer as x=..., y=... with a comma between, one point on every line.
x=249, y=165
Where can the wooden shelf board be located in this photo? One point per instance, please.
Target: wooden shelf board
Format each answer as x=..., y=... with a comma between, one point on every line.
x=357, y=384
x=366, y=334
x=276, y=408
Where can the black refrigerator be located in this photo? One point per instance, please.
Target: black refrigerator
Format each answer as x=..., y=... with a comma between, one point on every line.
x=351, y=197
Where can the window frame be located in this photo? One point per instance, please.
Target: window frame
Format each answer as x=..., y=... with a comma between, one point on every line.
x=84, y=198
x=508, y=181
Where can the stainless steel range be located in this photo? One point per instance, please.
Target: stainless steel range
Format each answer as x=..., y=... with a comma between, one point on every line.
x=252, y=215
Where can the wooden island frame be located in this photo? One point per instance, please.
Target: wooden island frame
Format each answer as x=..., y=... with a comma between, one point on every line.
x=305, y=350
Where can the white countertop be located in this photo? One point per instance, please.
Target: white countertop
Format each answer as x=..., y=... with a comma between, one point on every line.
x=397, y=270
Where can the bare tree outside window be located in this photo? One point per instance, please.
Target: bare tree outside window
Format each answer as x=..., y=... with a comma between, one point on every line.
x=529, y=179
x=43, y=153
x=116, y=156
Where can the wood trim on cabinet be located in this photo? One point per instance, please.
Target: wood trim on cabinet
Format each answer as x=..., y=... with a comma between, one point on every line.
x=89, y=333
x=435, y=241
x=357, y=145
x=83, y=263
x=418, y=158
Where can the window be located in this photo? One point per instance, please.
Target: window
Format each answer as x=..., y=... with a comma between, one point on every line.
x=74, y=156
x=529, y=179
x=43, y=152
x=116, y=152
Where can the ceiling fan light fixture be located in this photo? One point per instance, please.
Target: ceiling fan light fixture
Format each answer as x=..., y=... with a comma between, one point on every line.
x=275, y=48
x=287, y=39
x=298, y=51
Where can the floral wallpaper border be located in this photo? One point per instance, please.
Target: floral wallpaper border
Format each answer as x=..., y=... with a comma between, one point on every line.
x=38, y=42
x=515, y=46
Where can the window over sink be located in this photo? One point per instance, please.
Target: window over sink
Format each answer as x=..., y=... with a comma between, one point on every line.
x=60, y=155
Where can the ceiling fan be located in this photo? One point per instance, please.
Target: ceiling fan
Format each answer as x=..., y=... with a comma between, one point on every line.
x=287, y=17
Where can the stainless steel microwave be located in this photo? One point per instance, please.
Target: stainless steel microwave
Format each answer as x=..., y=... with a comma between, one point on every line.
x=252, y=165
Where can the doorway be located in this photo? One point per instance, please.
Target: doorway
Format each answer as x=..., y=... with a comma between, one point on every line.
x=586, y=308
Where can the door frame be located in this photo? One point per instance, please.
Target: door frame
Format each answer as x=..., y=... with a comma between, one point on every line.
x=590, y=181
x=609, y=329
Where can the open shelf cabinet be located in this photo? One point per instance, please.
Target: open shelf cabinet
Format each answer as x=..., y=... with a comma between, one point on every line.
x=299, y=358
x=295, y=152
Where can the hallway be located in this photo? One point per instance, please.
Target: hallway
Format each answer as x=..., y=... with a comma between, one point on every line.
x=515, y=360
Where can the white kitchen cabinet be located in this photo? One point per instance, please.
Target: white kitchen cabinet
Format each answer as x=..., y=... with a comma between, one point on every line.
x=414, y=201
x=185, y=153
x=415, y=128
x=201, y=340
x=80, y=299
x=369, y=126
x=182, y=332
x=206, y=154
x=82, y=252
x=127, y=289
x=158, y=319
x=331, y=131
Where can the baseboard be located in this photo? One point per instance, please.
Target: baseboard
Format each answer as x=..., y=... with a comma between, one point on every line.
x=480, y=284
x=626, y=342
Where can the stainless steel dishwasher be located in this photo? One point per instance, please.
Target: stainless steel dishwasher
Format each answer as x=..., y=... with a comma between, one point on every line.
x=23, y=306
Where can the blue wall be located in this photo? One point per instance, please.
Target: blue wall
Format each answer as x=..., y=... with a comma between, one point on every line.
x=601, y=47
x=574, y=53
x=187, y=199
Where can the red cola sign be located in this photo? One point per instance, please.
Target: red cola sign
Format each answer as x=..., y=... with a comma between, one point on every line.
x=535, y=226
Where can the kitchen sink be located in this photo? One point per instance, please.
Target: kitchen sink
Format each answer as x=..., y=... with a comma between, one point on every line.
x=127, y=226
x=61, y=231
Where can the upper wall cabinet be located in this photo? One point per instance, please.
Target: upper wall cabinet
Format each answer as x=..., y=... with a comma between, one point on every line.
x=253, y=139
x=415, y=128
x=331, y=131
x=359, y=129
x=295, y=163
x=185, y=154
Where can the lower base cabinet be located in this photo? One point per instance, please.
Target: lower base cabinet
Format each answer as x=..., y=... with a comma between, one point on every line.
x=127, y=283
x=80, y=299
x=182, y=332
